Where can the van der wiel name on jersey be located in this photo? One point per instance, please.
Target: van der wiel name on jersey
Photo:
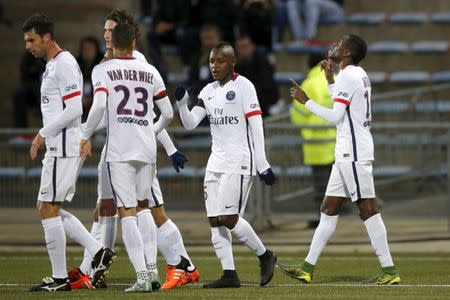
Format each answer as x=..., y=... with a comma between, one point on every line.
x=219, y=119
x=132, y=75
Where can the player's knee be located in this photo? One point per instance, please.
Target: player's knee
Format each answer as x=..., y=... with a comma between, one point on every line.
x=95, y=214
x=329, y=211
x=107, y=208
x=48, y=210
x=367, y=212
x=214, y=221
x=228, y=221
x=159, y=215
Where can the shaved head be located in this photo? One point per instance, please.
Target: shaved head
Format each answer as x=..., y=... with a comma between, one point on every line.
x=226, y=49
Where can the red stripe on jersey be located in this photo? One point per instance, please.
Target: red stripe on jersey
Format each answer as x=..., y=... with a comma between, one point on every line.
x=101, y=89
x=160, y=95
x=235, y=75
x=346, y=102
x=124, y=57
x=253, y=113
x=71, y=95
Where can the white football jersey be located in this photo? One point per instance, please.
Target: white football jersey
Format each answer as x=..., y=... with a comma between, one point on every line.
x=132, y=86
x=62, y=81
x=227, y=109
x=353, y=138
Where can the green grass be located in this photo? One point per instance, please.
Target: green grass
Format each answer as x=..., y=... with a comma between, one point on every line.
x=424, y=276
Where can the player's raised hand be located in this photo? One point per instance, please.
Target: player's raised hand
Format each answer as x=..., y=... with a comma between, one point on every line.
x=268, y=177
x=37, y=143
x=181, y=94
x=327, y=66
x=297, y=93
x=85, y=149
x=178, y=160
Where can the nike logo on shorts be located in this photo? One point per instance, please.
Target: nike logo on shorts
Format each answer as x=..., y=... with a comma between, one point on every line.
x=228, y=206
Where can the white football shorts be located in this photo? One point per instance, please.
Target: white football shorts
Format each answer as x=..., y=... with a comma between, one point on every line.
x=58, y=178
x=226, y=194
x=351, y=180
x=104, y=187
x=128, y=180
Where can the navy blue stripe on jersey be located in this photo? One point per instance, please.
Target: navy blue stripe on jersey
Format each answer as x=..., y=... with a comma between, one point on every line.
x=249, y=148
x=107, y=129
x=154, y=197
x=54, y=180
x=64, y=132
x=112, y=187
x=355, y=174
x=240, y=194
x=352, y=131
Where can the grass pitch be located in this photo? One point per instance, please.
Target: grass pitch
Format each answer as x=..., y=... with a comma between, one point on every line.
x=337, y=276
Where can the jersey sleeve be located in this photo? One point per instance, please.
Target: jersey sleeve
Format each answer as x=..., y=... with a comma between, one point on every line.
x=98, y=81
x=344, y=88
x=69, y=78
x=250, y=103
x=160, y=87
x=202, y=95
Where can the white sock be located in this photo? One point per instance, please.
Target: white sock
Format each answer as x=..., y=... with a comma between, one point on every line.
x=55, y=238
x=135, y=247
x=147, y=228
x=85, y=265
x=108, y=228
x=378, y=237
x=76, y=231
x=173, y=236
x=245, y=233
x=221, y=241
x=323, y=233
x=169, y=254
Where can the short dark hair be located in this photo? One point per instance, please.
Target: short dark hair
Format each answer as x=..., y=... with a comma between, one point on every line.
x=357, y=47
x=123, y=36
x=121, y=16
x=225, y=46
x=40, y=23
x=315, y=58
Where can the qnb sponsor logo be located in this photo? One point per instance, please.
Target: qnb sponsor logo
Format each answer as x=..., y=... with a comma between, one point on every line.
x=254, y=105
x=131, y=120
x=343, y=94
x=71, y=87
x=226, y=120
x=367, y=123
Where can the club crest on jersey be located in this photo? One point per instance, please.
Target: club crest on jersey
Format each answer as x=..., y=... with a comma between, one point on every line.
x=230, y=95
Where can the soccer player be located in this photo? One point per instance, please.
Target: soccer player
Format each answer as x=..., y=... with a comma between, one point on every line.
x=165, y=234
x=231, y=106
x=351, y=175
x=61, y=108
x=126, y=88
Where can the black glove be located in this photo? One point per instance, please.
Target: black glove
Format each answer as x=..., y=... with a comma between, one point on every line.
x=178, y=160
x=268, y=177
x=179, y=93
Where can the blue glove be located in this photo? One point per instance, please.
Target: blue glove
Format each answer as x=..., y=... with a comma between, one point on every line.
x=179, y=93
x=268, y=177
x=178, y=160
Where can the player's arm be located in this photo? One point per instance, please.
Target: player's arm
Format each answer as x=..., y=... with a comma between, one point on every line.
x=165, y=107
x=189, y=118
x=95, y=114
x=178, y=158
x=67, y=76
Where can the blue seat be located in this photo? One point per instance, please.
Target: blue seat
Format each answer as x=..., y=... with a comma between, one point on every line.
x=408, y=18
x=331, y=20
x=409, y=77
x=441, y=17
x=441, y=77
x=175, y=78
x=306, y=49
x=12, y=173
x=389, y=107
x=391, y=171
x=377, y=77
x=278, y=47
x=389, y=47
x=430, y=47
x=88, y=173
x=283, y=77
x=170, y=173
x=300, y=171
x=34, y=172
x=366, y=18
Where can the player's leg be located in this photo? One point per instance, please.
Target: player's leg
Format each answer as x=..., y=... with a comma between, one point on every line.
x=233, y=192
x=220, y=235
x=369, y=214
x=50, y=196
x=85, y=266
x=123, y=185
x=335, y=196
x=170, y=243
